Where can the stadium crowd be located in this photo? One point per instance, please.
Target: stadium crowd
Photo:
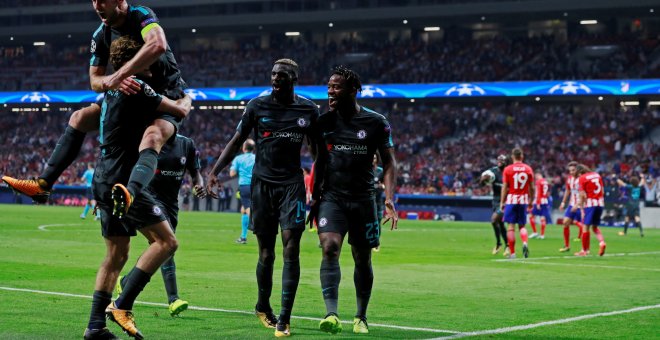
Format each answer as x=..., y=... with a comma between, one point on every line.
x=396, y=60
x=441, y=148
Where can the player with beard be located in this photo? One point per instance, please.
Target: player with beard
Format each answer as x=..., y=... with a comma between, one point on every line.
x=343, y=198
x=281, y=121
x=516, y=198
x=494, y=176
x=591, y=203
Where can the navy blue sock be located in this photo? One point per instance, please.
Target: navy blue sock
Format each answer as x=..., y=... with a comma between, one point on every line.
x=143, y=171
x=290, y=279
x=100, y=300
x=265, y=285
x=168, y=269
x=363, y=277
x=65, y=152
x=135, y=283
x=330, y=278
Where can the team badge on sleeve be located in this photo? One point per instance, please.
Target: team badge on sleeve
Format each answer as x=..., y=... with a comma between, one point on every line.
x=149, y=91
x=92, y=46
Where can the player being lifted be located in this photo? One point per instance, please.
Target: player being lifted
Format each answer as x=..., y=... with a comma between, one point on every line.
x=571, y=216
x=494, y=177
x=541, y=206
x=591, y=203
x=121, y=132
x=517, y=191
x=141, y=24
x=280, y=122
x=343, y=197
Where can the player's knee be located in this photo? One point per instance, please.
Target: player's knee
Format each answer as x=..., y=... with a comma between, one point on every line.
x=82, y=122
x=291, y=252
x=267, y=257
x=330, y=250
x=171, y=245
x=153, y=139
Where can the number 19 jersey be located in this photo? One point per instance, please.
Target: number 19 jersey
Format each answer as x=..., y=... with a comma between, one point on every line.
x=518, y=177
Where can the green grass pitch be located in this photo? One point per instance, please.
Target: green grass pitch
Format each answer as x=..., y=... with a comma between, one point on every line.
x=432, y=279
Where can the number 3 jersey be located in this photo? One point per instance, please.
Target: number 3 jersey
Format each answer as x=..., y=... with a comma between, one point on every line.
x=592, y=185
x=518, y=177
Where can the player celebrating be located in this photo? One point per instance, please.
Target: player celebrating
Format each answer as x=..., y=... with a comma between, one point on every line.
x=280, y=122
x=632, y=205
x=242, y=166
x=494, y=177
x=141, y=24
x=517, y=189
x=343, y=196
x=121, y=133
x=541, y=206
x=173, y=161
x=571, y=216
x=591, y=204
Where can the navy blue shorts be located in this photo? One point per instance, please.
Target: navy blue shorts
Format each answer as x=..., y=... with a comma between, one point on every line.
x=515, y=214
x=592, y=215
x=575, y=216
x=246, y=195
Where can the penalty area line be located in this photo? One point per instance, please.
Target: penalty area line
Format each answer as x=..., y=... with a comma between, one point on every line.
x=545, y=323
x=209, y=309
x=575, y=257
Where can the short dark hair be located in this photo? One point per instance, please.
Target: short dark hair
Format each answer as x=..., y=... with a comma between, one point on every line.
x=351, y=77
x=289, y=62
x=122, y=50
x=517, y=153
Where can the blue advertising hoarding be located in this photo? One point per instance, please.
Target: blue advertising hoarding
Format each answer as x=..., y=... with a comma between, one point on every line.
x=436, y=90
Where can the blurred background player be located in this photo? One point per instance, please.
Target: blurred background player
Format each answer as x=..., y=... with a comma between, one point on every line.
x=541, y=206
x=591, y=204
x=493, y=176
x=242, y=166
x=173, y=161
x=517, y=191
x=87, y=178
x=571, y=194
x=634, y=190
x=281, y=122
x=344, y=190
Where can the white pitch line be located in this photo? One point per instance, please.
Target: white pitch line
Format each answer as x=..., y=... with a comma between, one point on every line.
x=421, y=329
x=589, y=265
x=44, y=226
x=576, y=257
x=545, y=323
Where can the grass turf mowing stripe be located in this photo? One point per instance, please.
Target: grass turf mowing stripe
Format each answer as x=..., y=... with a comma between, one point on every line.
x=209, y=309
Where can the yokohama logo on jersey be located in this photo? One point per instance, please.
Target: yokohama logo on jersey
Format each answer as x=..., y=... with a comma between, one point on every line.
x=517, y=199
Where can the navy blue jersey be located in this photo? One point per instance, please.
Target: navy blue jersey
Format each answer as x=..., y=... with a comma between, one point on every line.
x=173, y=161
x=123, y=122
x=350, y=145
x=497, y=183
x=166, y=75
x=279, y=132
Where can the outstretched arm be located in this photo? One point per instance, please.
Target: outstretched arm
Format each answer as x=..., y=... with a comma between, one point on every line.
x=225, y=158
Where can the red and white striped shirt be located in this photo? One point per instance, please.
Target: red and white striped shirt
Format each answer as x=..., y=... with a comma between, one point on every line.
x=542, y=192
x=572, y=186
x=592, y=185
x=518, y=177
